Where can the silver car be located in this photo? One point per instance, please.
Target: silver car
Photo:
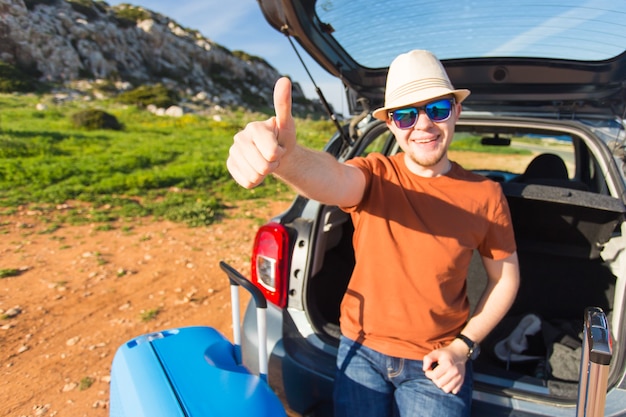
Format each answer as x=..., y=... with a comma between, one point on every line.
x=545, y=120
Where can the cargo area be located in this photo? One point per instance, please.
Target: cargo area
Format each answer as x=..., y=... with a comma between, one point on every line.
x=569, y=248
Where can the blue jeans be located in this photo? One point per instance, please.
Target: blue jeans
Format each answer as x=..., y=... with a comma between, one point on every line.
x=369, y=383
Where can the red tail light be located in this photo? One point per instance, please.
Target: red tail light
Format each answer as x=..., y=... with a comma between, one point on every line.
x=270, y=263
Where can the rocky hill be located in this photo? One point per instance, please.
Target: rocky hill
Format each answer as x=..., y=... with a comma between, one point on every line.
x=82, y=43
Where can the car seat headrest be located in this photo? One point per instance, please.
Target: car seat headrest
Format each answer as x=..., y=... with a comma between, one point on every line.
x=547, y=165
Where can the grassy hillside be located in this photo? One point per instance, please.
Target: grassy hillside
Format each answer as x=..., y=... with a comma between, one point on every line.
x=172, y=168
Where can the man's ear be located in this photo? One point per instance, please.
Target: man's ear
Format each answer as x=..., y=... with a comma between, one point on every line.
x=390, y=125
x=458, y=109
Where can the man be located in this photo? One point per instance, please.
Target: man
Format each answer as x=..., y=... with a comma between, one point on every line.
x=407, y=338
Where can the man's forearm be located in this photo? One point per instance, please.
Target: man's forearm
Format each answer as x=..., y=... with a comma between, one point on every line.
x=496, y=299
x=319, y=176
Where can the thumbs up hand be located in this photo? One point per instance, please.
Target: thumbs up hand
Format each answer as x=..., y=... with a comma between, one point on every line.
x=258, y=150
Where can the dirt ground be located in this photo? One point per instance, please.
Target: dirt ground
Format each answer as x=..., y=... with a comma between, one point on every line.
x=83, y=291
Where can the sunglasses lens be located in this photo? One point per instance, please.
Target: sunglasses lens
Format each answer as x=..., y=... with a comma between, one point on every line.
x=439, y=110
x=405, y=118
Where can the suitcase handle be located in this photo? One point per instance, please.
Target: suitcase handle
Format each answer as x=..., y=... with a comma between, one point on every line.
x=594, y=367
x=237, y=280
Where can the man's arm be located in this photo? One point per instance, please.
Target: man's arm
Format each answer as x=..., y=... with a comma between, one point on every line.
x=269, y=147
x=497, y=298
x=319, y=176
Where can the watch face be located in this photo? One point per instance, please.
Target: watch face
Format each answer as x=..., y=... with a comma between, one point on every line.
x=475, y=351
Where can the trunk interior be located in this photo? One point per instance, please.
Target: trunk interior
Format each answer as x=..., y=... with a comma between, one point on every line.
x=569, y=248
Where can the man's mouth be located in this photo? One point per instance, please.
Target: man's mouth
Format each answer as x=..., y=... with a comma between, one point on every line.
x=424, y=141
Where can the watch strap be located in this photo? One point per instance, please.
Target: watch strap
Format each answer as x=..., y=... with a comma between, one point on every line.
x=469, y=342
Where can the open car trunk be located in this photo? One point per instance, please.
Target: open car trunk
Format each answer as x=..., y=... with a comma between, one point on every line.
x=569, y=246
x=566, y=264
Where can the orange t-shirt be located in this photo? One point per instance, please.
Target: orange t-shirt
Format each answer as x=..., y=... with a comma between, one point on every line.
x=414, y=238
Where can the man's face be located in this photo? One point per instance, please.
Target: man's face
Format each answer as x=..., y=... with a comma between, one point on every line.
x=426, y=143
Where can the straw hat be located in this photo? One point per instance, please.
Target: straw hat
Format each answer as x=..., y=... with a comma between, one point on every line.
x=415, y=77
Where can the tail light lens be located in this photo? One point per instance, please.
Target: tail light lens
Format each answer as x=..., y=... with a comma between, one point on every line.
x=270, y=263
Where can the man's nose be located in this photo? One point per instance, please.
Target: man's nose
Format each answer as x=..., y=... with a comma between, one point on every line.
x=423, y=121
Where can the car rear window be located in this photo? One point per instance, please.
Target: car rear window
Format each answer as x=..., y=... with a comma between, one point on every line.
x=373, y=33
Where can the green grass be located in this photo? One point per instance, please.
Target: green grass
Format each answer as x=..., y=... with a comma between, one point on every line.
x=156, y=166
x=148, y=315
x=9, y=272
x=85, y=383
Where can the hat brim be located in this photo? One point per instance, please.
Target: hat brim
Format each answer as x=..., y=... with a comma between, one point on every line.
x=459, y=95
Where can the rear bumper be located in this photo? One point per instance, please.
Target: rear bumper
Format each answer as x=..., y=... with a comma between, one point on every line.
x=302, y=376
x=307, y=373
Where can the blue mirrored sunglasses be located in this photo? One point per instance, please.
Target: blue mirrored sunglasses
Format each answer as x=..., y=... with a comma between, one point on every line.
x=437, y=111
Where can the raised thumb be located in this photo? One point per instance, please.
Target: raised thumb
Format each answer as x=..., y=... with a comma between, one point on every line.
x=282, y=107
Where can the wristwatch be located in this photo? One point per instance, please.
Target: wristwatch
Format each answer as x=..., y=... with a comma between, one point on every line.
x=474, y=348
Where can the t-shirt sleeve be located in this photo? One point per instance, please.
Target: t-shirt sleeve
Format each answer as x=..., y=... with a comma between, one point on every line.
x=365, y=165
x=499, y=241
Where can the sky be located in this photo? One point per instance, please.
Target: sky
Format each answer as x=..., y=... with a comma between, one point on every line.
x=240, y=25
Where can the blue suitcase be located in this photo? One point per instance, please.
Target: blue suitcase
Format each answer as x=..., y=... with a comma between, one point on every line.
x=194, y=371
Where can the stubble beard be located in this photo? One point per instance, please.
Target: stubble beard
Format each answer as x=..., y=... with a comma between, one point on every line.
x=427, y=161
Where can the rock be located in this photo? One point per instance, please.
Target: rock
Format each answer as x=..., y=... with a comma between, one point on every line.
x=64, y=45
x=174, y=111
x=70, y=386
x=72, y=341
x=13, y=312
x=100, y=404
x=40, y=410
x=124, y=306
